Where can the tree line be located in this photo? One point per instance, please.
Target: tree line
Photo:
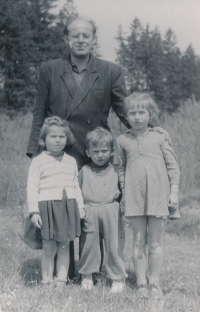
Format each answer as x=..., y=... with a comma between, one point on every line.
x=155, y=64
x=30, y=33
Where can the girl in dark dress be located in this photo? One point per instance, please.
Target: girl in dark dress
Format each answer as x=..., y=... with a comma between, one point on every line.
x=54, y=198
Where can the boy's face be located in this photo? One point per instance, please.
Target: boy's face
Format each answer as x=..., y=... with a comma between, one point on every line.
x=100, y=154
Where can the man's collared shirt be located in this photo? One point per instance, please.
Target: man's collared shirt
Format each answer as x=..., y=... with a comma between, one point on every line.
x=78, y=75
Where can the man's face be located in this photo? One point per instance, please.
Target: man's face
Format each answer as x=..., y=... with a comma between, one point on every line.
x=80, y=38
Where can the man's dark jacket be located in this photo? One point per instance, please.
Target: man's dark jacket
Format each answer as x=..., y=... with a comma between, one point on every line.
x=85, y=108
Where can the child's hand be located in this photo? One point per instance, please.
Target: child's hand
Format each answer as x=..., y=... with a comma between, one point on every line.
x=82, y=213
x=173, y=203
x=36, y=220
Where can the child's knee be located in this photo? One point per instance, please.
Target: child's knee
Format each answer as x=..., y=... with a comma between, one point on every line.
x=154, y=245
x=139, y=248
x=63, y=248
x=49, y=249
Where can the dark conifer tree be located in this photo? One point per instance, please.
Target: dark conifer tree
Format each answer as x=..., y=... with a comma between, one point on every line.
x=172, y=72
x=30, y=34
x=15, y=48
x=155, y=72
x=156, y=65
x=190, y=74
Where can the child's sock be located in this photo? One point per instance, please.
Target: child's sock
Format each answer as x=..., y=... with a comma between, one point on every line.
x=155, y=265
x=140, y=269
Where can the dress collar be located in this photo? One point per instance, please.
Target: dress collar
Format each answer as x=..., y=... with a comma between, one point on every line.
x=58, y=157
x=143, y=135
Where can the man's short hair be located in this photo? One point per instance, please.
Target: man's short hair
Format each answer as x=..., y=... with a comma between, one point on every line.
x=82, y=18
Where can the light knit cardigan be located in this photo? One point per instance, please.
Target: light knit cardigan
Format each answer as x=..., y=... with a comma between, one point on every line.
x=47, y=178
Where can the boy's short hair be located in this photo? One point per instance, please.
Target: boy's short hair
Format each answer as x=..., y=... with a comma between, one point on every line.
x=55, y=121
x=99, y=136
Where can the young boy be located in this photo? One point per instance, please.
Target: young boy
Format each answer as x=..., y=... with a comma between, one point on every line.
x=99, y=184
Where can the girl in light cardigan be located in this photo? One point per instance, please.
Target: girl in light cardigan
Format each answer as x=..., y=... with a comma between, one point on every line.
x=54, y=198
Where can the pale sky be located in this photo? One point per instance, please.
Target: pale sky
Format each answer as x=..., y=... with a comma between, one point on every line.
x=182, y=16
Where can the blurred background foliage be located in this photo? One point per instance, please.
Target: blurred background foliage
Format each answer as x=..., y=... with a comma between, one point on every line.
x=182, y=125
x=155, y=64
x=31, y=33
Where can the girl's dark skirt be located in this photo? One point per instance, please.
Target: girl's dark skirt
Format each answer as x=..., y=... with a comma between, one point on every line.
x=60, y=219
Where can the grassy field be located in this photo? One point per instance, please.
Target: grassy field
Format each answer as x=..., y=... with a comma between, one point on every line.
x=20, y=273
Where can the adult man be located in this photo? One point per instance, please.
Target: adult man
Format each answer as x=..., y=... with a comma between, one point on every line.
x=81, y=89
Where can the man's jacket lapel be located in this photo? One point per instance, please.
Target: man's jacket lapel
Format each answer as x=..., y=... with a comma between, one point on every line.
x=67, y=77
x=87, y=82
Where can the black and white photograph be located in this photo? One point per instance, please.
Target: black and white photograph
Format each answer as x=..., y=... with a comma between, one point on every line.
x=100, y=156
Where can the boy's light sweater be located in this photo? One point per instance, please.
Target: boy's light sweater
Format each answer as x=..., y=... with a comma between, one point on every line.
x=48, y=178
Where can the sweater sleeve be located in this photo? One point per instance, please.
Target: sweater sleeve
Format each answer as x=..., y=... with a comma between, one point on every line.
x=171, y=162
x=79, y=196
x=118, y=93
x=33, y=186
x=121, y=160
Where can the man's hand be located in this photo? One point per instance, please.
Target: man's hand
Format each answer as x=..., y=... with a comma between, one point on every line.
x=162, y=131
x=122, y=202
x=82, y=213
x=36, y=220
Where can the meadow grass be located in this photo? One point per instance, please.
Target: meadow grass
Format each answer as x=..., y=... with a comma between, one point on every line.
x=20, y=273
x=14, y=164
x=184, y=129
x=20, y=288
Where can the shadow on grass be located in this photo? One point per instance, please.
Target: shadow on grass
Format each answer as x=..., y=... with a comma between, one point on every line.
x=188, y=226
x=31, y=272
x=131, y=279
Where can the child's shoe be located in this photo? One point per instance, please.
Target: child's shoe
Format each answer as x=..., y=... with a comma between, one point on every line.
x=155, y=291
x=117, y=287
x=142, y=291
x=87, y=282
